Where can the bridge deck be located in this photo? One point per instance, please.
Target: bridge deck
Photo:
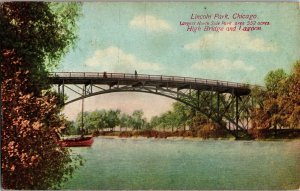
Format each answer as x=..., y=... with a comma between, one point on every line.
x=149, y=80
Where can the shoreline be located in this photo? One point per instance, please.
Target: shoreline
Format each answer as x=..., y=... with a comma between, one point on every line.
x=202, y=135
x=179, y=138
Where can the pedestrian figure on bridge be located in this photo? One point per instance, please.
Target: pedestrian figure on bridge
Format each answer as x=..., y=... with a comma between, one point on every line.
x=135, y=74
x=104, y=75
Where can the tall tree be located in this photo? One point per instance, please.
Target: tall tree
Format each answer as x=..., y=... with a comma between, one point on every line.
x=275, y=81
x=290, y=100
x=136, y=120
x=34, y=36
x=112, y=118
x=124, y=121
x=268, y=115
x=279, y=103
x=179, y=116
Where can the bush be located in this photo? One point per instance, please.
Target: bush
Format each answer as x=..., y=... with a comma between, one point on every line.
x=211, y=130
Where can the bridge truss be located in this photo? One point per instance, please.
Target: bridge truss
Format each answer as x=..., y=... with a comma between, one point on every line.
x=225, y=103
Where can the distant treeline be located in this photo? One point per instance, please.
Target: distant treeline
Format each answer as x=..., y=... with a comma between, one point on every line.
x=100, y=120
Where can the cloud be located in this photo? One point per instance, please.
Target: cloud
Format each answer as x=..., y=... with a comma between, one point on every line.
x=222, y=65
x=231, y=41
x=115, y=59
x=150, y=23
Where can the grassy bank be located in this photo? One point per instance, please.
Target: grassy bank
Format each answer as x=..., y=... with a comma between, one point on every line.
x=157, y=134
x=257, y=134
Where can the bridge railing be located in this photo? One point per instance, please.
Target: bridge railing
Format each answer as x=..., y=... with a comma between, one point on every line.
x=146, y=77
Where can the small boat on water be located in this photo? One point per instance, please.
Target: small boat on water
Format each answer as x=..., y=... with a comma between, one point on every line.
x=83, y=141
x=79, y=141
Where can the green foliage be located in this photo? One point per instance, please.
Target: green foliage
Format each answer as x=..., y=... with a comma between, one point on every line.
x=103, y=119
x=33, y=38
x=92, y=120
x=40, y=33
x=70, y=128
x=182, y=114
x=275, y=81
x=291, y=99
x=137, y=121
x=112, y=118
x=279, y=105
x=124, y=120
x=179, y=116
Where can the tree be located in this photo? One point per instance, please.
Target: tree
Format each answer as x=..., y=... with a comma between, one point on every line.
x=89, y=121
x=112, y=118
x=136, y=120
x=182, y=114
x=155, y=122
x=70, y=128
x=279, y=103
x=99, y=119
x=268, y=115
x=275, y=81
x=291, y=99
x=40, y=34
x=124, y=121
x=164, y=121
x=178, y=117
x=33, y=38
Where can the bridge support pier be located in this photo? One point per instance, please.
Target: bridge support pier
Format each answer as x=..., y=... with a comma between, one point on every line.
x=61, y=93
x=82, y=107
x=237, y=114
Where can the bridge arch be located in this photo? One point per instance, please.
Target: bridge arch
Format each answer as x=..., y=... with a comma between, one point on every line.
x=118, y=91
x=190, y=91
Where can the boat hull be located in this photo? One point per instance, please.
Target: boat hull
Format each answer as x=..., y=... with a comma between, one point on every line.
x=77, y=142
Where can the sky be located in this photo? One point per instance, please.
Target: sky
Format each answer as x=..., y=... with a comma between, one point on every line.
x=148, y=37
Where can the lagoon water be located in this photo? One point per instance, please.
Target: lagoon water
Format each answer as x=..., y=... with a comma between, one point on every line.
x=187, y=165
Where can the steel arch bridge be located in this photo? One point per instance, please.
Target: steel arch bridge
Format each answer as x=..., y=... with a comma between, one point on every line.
x=226, y=103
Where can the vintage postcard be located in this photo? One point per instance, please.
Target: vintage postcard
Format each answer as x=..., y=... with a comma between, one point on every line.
x=163, y=95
